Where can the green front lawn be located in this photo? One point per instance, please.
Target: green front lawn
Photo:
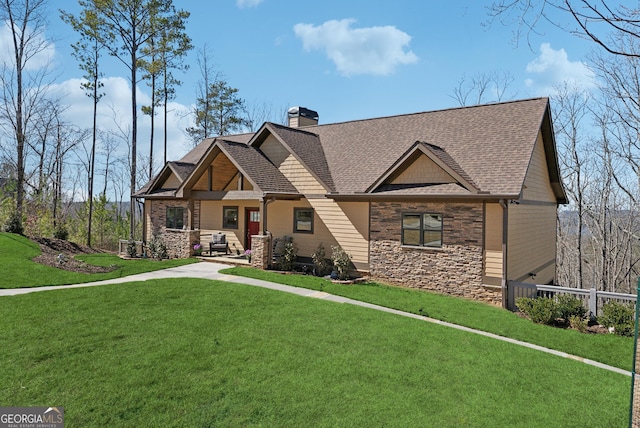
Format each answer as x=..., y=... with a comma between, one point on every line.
x=19, y=271
x=188, y=352
x=609, y=349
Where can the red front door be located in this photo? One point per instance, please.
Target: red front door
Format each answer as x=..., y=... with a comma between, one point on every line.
x=253, y=225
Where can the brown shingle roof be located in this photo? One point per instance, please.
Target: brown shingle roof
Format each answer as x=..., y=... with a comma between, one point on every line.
x=492, y=143
x=307, y=147
x=257, y=167
x=182, y=169
x=196, y=154
x=489, y=146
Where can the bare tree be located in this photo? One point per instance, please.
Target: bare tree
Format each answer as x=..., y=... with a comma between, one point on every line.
x=88, y=52
x=598, y=20
x=482, y=88
x=22, y=87
x=571, y=107
x=257, y=113
x=127, y=27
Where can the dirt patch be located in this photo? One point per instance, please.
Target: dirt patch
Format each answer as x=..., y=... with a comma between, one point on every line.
x=60, y=254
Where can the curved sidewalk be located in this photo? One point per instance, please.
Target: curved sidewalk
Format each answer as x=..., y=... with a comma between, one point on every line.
x=208, y=270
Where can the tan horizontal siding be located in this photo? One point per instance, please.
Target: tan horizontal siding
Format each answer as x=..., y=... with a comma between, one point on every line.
x=537, y=183
x=532, y=240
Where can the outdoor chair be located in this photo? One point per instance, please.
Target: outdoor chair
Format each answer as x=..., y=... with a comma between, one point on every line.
x=218, y=243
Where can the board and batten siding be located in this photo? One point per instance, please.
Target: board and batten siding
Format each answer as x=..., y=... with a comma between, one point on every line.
x=291, y=168
x=423, y=170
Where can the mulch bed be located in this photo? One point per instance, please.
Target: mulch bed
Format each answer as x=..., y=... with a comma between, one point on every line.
x=52, y=249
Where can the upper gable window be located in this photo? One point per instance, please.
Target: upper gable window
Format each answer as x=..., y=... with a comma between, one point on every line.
x=175, y=217
x=422, y=229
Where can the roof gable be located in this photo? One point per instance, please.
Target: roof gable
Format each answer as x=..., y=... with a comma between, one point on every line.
x=304, y=146
x=262, y=175
x=424, y=164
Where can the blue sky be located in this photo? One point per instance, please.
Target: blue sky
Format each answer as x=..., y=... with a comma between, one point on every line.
x=345, y=59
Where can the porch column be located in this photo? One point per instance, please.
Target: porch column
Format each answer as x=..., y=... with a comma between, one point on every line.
x=263, y=215
x=260, y=245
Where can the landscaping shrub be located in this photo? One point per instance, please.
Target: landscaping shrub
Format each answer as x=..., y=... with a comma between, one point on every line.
x=321, y=265
x=61, y=232
x=578, y=323
x=287, y=260
x=543, y=310
x=157, y=248
x=619, y=316
x=13, y=224
x=131, y=249
x=341, y=262
x=570, y=306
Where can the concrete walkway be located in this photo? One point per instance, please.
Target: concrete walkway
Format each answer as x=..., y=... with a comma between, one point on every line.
x=208, y=270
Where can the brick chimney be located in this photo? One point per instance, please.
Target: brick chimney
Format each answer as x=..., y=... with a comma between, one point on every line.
x=299, y=117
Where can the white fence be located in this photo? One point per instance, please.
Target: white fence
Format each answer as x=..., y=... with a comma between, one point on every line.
x=593, y=299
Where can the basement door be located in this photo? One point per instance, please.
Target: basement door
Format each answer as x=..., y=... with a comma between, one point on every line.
x=252, y=216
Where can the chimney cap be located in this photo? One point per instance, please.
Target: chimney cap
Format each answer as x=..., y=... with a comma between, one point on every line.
x=303, y=111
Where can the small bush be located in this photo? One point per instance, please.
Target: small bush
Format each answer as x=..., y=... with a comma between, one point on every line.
x=321, y=264
x=157, y=248
x=619, y=316
x=61, y=232
x=578, y=323
x=131, y=248
x=287, y=259
x=543, y=310
x=341, y=262
x=569, y=306
x=13, y=224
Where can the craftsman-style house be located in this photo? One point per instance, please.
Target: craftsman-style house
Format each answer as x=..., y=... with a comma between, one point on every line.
x=460, y=200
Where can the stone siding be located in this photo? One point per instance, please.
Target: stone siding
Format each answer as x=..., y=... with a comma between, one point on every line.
x=180, y=242
x=456, y=268
x=260, y=245
x=158, y=217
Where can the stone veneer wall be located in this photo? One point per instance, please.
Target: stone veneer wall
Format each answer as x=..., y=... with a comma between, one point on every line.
x=260, y=245
x=456, y=268
x=158, y=217
x=179, y=242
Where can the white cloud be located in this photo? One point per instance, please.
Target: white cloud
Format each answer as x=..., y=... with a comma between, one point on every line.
x=553, y=67
x=373, y=50
x=248, y=3
x=42, y=58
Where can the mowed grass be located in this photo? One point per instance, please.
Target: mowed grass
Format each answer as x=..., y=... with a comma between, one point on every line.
x=19, y=271
x=186, y=352
x=605, y=348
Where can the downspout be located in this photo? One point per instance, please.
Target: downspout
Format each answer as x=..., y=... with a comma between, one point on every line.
x=505, y=231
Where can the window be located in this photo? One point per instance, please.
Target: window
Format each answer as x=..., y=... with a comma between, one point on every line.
x=229, y=217
x=303, y=220
x=422, y=229
x=175, y=217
